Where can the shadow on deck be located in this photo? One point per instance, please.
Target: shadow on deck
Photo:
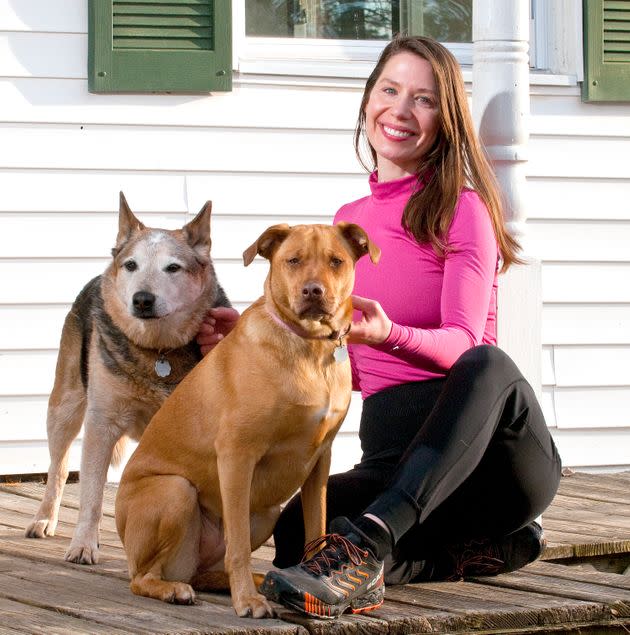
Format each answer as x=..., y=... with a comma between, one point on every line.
x=587, y=526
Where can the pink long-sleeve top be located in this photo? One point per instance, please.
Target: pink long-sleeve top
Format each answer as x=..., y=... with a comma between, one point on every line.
x=440, y=306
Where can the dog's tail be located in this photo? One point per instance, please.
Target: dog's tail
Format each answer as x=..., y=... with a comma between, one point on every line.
x=119, y=451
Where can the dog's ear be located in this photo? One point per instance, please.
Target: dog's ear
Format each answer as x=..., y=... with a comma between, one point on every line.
x=267, y=243
x=358, y=241
x=197, y=232
x=127, y=224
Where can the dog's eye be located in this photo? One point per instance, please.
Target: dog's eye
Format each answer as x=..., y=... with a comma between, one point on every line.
x=293, y=261
x=336, y=262
x=173, y=267
x=130, y=265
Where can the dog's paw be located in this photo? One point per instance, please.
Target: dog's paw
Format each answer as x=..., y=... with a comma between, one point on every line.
x=254, y=606
x=179, y=593
x=40, y=528
x=82, y=554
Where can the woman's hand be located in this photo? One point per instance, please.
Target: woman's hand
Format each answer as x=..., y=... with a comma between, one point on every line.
x=215, y=326
x=374, y=326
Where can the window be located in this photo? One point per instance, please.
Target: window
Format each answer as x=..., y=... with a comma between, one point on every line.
x=159, y=45
x=445, y=20
x=341, y=38
x=606, y=50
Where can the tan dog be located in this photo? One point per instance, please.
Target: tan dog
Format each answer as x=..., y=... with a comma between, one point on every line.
x=249, y=426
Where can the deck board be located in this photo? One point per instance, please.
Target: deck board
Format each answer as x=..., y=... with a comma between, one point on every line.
x=41, y=593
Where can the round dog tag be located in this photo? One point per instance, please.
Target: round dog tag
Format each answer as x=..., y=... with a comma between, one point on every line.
x=341, y=354
x=162, y=367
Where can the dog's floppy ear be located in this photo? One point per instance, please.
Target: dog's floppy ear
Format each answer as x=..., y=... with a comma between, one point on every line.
x=267, y=243
x=127, y=224
x=197, y=232
x=359, y=242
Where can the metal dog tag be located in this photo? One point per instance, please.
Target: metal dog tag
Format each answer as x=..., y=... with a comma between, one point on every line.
x=341, y=353
x=162, y=367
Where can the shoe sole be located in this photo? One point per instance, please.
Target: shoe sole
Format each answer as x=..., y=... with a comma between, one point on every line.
x=314, y=607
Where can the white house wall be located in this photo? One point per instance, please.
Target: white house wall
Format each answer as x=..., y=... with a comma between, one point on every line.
x=276, y=150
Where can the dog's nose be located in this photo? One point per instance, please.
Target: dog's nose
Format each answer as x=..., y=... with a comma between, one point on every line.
x=143, y=301
x=312, y=291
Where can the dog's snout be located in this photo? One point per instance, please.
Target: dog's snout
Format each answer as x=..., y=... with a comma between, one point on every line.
x=312, y=290
x=143, y=303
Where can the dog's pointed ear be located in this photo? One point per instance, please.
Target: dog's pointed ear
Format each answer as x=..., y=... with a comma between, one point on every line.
x=358, y=241
x=127, y=224
x=267, y=243
x=197, y=231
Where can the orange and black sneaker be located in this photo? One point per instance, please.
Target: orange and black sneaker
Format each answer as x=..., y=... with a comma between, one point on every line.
x=342, y=576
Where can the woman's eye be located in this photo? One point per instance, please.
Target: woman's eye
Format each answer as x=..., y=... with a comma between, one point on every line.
x=130, y=265
x=173, y=267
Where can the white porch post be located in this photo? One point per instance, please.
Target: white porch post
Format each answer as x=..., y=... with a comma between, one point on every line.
x=500, y=105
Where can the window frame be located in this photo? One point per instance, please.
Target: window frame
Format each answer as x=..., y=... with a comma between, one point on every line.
x=311, y=57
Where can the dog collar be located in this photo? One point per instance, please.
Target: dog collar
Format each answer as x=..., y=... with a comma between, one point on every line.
x=341, y=350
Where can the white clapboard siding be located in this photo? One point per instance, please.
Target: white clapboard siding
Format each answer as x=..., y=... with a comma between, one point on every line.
x=594, y=366
x=575, y=157
x=578, y=198
x=175, y=149
x=593, y=407
x=63, y=16
x=586, y=282
x=285, y=193
x=28, y=54
x=79, y=192
x=581, y=241
x=275, y=107
x=594, y=447
x=586, y=324
x=95, y=235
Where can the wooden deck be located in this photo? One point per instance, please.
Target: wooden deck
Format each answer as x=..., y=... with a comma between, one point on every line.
x=588, y=525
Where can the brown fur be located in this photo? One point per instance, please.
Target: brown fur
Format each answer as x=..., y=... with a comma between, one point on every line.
x=105, y=377
x=255, y=422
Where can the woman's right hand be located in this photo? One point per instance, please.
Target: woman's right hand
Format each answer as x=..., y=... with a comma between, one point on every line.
x=218, y=322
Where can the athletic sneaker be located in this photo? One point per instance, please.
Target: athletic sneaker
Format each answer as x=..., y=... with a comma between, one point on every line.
x=470, y=559
x=343, y=576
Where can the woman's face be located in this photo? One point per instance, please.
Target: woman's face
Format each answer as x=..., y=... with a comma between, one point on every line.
x=401, y=116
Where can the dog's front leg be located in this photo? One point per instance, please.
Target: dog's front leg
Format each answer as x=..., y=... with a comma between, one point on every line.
x=235, y=477
x=99, y=438
x=313, y=494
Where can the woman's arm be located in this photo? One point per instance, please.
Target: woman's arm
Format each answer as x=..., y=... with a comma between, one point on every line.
x=469, y=272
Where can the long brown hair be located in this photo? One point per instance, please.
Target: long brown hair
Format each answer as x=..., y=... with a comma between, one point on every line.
x=455, y=161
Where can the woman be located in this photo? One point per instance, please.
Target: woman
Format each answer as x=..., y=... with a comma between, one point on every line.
x=457, y=460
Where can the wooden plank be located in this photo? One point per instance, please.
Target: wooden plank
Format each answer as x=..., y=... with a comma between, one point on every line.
x=25, y=618
x=109, y=602
x=595, y=493
x=562, y=503
x=572, y=573
x=618, y=599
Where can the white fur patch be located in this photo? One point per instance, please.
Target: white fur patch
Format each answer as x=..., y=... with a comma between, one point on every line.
x=156, y=237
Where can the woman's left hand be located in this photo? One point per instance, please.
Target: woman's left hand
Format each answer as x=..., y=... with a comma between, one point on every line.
x=374, y=326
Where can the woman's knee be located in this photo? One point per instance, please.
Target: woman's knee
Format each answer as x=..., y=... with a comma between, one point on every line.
x=488, y=359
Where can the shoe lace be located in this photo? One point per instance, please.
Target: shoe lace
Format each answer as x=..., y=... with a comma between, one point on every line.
x=332, y=551
x=476, y=558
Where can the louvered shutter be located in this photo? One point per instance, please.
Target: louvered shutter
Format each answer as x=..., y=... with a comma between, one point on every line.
x=159, y=46
x=606, y=50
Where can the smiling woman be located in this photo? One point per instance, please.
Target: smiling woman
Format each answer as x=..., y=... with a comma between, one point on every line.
x=445, y=20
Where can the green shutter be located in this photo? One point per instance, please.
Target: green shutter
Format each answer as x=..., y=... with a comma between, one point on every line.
x=159, y=46
x=606, y=50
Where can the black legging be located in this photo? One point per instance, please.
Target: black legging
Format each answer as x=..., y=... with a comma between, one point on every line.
x=446, y=460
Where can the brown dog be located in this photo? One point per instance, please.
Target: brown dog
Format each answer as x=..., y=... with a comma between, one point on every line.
x=249, y=426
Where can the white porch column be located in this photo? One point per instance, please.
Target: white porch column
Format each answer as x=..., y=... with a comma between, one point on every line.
x=500, y=105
